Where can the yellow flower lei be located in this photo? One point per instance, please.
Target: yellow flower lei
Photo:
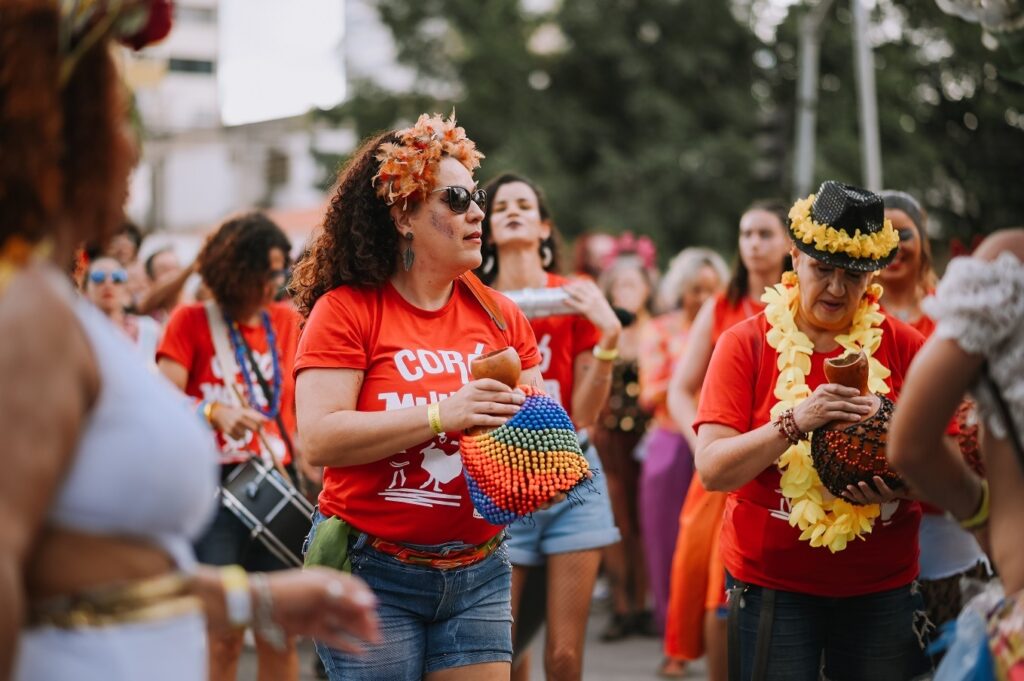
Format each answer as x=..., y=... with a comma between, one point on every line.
x=823, y=519
x=877, y=245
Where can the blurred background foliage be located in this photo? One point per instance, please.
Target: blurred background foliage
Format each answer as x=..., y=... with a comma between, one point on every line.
x=668, y=117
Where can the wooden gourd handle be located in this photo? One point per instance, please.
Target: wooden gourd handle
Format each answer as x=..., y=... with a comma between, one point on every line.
x=501, y=365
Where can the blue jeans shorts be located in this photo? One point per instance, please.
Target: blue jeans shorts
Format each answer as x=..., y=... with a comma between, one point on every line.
x=430, y=619
x=566, y=526
x=860, y=638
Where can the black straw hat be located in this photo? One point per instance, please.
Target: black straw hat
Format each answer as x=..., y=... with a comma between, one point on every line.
x=844, y=226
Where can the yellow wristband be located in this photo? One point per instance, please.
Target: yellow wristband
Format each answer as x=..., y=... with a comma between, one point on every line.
x=434, y=418
x=208, y=411
x=606, y=355
x=980, y=517
x=237, y=598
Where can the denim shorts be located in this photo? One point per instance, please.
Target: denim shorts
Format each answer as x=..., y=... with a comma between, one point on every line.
x=860, y=638
x=430, y=619
x=577, y=524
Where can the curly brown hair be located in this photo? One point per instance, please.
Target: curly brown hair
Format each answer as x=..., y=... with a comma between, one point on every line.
x=358, y=242
x=64, y=152
x=235, y=261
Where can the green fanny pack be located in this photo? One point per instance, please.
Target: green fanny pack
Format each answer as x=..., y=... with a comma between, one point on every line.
x=329, y=547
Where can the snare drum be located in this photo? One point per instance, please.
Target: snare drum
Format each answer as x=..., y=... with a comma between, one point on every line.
x=273, y=509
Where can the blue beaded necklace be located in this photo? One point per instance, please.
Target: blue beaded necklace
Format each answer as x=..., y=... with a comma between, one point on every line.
x=237, y=343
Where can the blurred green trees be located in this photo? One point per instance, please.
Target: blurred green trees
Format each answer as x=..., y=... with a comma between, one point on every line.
x=668, y=117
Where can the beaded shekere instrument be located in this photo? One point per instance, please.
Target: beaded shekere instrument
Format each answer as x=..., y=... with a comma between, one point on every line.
x=850, y=453
x=516, y=468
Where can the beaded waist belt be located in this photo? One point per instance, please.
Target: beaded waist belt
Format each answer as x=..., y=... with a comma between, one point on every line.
x=439, y=561
x=145, y=600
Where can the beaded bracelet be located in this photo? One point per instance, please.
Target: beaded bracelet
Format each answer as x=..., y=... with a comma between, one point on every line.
x=786, y=424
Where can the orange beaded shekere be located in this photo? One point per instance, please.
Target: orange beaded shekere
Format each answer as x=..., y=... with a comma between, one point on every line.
x=516, y=468
x=408, y=169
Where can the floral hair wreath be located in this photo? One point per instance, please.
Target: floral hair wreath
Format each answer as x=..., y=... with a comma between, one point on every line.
x=84, y=23
x=408, y=169
x=827, y=239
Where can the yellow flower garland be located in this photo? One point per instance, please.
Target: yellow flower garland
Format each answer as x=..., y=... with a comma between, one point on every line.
x=823, y=519
x=877, y=245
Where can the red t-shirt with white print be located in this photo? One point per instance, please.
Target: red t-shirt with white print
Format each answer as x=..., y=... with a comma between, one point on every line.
x=409, y=357
x=560, y=339
x=188, y=342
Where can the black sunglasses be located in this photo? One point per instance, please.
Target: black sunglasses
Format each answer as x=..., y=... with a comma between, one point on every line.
x=907, y=234
x=459, y=198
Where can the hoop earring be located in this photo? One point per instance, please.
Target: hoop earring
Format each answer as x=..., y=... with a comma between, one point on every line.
x=408, y=256
x=547, y=256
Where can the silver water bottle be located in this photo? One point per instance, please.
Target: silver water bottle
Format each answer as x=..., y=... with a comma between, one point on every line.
x=541, y=302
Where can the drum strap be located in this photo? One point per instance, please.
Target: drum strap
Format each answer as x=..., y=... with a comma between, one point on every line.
x=229, y=372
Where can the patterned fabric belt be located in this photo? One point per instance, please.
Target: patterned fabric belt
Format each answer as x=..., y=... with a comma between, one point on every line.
x=145, y=600
x=438, y=561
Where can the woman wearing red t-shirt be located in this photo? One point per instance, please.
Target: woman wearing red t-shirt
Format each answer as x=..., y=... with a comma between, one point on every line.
x=802, y=591
x=695, y=621
x=244, y=264
x=384, y=392
x=577, y=352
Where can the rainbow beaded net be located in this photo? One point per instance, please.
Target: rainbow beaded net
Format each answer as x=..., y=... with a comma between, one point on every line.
x=517, y=467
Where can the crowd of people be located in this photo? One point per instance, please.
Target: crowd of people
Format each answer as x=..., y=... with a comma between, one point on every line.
x=799, y=469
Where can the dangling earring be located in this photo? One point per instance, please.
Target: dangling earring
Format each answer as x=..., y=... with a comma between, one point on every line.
x=547, y=255
x=408, y=256
x=488, y=265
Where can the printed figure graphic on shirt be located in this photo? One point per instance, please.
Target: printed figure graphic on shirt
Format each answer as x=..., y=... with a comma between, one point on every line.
x=220, y=392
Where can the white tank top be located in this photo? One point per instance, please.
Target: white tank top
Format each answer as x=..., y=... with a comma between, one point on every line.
x=146, y=465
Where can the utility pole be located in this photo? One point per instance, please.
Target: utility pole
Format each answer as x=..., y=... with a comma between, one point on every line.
x=807, y=96
x=867, y=99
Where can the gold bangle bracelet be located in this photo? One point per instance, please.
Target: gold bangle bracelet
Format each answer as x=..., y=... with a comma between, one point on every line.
x=609, y=355
x=980, y=516
x=434, y=418
x=208, y=409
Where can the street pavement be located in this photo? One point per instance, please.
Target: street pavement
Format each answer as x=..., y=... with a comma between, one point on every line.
x=632, y=659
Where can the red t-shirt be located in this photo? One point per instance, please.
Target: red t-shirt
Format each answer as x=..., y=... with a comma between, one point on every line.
x=758, y=544
x=409, y=357
x=728, y=314
x=560, y=339
x=188, y=342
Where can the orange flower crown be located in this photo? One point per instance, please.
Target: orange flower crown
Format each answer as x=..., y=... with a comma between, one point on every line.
x=409, y=169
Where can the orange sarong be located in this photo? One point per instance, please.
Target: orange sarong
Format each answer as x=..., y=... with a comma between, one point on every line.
x=698, y=574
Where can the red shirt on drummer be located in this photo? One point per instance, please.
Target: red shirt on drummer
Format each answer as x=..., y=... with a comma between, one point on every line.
x=187, y=341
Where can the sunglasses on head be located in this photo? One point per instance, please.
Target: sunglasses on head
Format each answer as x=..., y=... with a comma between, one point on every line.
x=459, y=198
x=116, y=277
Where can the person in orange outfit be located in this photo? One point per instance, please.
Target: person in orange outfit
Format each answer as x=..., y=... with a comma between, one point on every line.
x=696, y=622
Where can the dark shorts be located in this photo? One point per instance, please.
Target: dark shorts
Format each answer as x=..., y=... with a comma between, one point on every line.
x=228, y=542
x=860, y=638
x=430, y=619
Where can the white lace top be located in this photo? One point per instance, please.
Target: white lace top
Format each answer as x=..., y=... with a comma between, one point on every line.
x=980, y=305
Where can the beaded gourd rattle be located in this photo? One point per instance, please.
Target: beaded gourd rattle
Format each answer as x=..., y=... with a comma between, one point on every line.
x=847, y=454
x=516, y=468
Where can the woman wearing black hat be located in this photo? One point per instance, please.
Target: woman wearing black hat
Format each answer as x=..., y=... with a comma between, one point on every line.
x=802, y=592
